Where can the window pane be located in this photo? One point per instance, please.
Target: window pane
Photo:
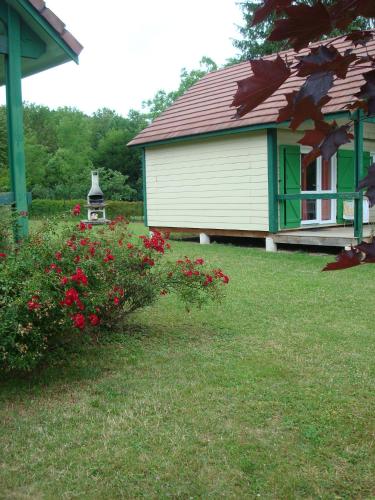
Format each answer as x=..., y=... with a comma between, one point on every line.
x=326, y=209
x=326, y=175
x=308, y=176
x=308, y=209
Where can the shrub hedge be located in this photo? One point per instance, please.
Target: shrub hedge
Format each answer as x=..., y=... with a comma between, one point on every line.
x=48, y=208
x=75, y=282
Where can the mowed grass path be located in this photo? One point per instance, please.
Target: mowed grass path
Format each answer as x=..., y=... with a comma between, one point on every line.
x=269, y=394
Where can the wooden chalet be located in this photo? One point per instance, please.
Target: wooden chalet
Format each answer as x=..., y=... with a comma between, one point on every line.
x=206, y=172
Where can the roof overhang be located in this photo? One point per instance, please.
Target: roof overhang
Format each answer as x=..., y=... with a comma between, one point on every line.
x=237, y=130
x=45, y=43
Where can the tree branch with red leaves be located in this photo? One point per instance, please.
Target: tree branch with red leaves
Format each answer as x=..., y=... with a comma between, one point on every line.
x=299, y=25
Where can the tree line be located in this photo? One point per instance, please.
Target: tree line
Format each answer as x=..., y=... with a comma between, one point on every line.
x=62, y=146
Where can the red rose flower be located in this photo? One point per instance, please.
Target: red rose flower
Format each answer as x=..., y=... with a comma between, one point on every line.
x=79, y=277
x=76, y=210
x=33, y=304
x=79, y=321
x=94, y=319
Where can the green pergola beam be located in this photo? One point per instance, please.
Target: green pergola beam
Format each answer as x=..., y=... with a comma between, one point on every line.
x=15, y=123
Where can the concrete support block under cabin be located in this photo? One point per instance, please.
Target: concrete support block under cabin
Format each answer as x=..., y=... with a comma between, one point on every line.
x=271, y=246
x=204, y=239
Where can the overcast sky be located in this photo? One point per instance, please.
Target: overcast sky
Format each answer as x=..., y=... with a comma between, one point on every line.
x=132, y=49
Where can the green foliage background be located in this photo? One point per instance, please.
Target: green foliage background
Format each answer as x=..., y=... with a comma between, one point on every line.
x=62, y=146
x=48, y=208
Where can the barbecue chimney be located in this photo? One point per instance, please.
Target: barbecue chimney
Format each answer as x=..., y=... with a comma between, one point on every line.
x=95, y=202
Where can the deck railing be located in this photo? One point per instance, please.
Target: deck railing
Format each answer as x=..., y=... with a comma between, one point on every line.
x=357, y=196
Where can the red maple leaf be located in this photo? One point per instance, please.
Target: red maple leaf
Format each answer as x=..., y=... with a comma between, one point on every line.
x=360, y=37
x=368, y=183
x=336, y=138
x=268, y=7
x=266, y=79
x=325, y=140
x=366, y=8
x=325, y=59
x=299, y=110
x=306, y=103
x=343, y=12
x=315, y=136
x=302, y=25
x=346, y=259
x=368, y=249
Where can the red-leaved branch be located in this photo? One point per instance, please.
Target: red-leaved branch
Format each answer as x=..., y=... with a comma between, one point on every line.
x=319, y=68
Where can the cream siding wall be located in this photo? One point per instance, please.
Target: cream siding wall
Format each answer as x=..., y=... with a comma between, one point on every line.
x=220, y=183
x=287, y=137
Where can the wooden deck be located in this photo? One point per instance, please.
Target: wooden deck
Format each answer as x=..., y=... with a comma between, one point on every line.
x=335, y=236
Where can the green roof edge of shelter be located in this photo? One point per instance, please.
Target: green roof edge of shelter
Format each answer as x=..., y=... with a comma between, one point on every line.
x=72, y=49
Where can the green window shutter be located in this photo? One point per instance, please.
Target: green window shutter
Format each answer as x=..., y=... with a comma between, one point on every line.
x=290, y=183
x=366, y=162
x=345, y=175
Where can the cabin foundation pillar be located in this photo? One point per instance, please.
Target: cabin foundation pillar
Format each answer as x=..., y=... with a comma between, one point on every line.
x=271, y=246
x=204, y=239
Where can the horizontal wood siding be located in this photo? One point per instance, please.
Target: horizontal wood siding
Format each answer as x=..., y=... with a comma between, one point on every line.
x=217, y=183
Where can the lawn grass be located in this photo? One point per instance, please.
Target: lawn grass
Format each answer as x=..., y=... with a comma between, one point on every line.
x=269, y=394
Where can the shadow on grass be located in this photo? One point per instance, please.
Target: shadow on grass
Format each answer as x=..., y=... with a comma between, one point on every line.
x=78, y=363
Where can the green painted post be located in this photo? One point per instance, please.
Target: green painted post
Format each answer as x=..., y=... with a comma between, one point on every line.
x=358, y=174
x=15, y=123
x=273, y=212
x=145, y=221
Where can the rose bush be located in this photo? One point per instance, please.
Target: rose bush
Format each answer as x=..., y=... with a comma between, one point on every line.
x=64, y=282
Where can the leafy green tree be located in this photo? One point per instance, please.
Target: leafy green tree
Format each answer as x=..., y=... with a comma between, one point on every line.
x=65, y=177
x=102, y=121
x=113, y=154
x=36, y=157
x=115, y=185
x=41, y=123
x=254, y=43
x=162, y=99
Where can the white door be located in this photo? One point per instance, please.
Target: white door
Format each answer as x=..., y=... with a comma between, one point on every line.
x=318, y=177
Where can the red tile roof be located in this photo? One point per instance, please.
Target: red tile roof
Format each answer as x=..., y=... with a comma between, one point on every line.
x=57, y=25
x=205, y=107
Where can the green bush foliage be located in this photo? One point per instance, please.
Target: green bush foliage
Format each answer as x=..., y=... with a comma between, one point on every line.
x=50, y=208
x=69, y=282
